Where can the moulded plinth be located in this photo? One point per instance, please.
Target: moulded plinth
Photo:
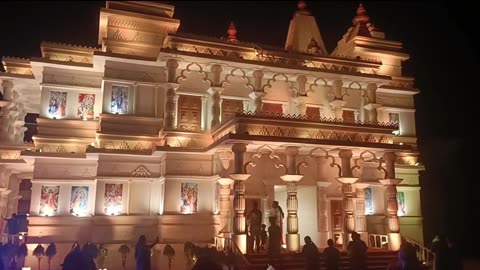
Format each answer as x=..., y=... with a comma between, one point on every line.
x=293, y=242
x=225, y=181
x=394, y=241
x=390, y=182
x=347, y=180
x=241, y=242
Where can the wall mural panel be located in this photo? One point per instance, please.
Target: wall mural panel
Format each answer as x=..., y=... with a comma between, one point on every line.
x=113, y=199
x=79, y=200
x=189, y=196
x=49, y=200
x=368, y=201
x=119, y=101
x=86, y=104
x=57, y=104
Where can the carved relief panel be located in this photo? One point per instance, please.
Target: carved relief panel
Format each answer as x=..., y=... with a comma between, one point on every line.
x=313, y=112
x=229, y=107
x=189, y=112
x=272, y=108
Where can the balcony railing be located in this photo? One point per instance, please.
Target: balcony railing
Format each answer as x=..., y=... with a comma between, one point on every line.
x=305, y=127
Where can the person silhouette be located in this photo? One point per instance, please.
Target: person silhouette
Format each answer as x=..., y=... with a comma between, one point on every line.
x=274, y=240
x=406, y=259
x=142, y=253
x=357, y=251
x=311, y=254
x=331, y=256
x=255, y=225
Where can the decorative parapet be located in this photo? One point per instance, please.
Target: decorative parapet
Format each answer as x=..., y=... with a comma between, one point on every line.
x=306, y=127
x=183, y=138
x=67, y=53
x=17, y=66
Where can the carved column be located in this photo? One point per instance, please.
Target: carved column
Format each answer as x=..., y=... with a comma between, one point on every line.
x=170, y=107
x=322, y=215
x=338, y=103
x=216, y=109
x=360, y=218
x=362, y=106
x=347, y=190
x=239, y=230
x=301, y=105
x=356, y=114
x=258, y=76
x=292, y=177
x=5, y=107
x=225, y=214
x=216, y=71
x=177, y=96
x=372, y=106
x=172, y=66
x=302, y=82
x=257, y=101
x=245, y=103
x=394, y=236
x=204, y=113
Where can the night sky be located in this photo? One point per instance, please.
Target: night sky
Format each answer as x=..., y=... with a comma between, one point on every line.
x=439, y=38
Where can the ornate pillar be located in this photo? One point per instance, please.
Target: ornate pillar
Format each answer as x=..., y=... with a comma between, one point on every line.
x=394, y=236
x=225, y=214
x=216, y=109
x=204, y=113
x=292, y=177
x=257, y=101
x=360, y=218
x=285, y=109
x=372, y=106
x=239, y=176
x=5, y=106
x=362, y=106
x=258, y=76
x=172, y=66
x=301, y=105
x=216, y=71
x=356, y=114
x=322, y=218
x=177, y=96
x=302, y=82
x=170, y=108
x=338, y=103
x=245, y=103
x=347, y=180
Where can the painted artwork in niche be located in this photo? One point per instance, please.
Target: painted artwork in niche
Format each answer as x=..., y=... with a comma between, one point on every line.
x=49, y=200
x=401, y=204
x=86, y=103
x=79, y=200
x=113, y=199
x=368, y=201
x=188, y=198
x=57, y=104
x=393, y=118
x=119, y=102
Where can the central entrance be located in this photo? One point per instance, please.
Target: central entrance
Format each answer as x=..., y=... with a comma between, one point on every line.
x=249, y=206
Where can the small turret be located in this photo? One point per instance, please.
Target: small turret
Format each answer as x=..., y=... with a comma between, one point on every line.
x=303, y=33
x=232, y=33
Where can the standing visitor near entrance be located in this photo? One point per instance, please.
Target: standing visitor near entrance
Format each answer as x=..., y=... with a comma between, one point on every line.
x=278, y=214
x=407, y=259
x=254, y=218
x=142, y=253
x=274, y=240
x=311, y=254
x=357, y=251
x=331, y=256
x=263, y=237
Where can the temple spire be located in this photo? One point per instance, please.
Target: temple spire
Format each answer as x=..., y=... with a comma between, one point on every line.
x=232, y=33
x=303, y=29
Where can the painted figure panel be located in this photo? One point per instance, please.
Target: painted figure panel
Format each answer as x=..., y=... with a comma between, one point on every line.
x=57, y=104
x=79, y=200
x=189, y=195
x=113, y=199
x=119, y=101
x=49, y=200
x=86, y=103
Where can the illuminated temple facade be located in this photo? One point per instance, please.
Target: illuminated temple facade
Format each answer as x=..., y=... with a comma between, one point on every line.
x=164, y=133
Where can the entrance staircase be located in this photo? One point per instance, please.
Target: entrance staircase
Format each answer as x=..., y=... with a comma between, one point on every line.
x=377, y=260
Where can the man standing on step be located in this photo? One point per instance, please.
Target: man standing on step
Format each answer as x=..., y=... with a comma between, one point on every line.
x=311, y=254
x=331, y=256
x=274, y=241
x=254, y=218
x=357, y=251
